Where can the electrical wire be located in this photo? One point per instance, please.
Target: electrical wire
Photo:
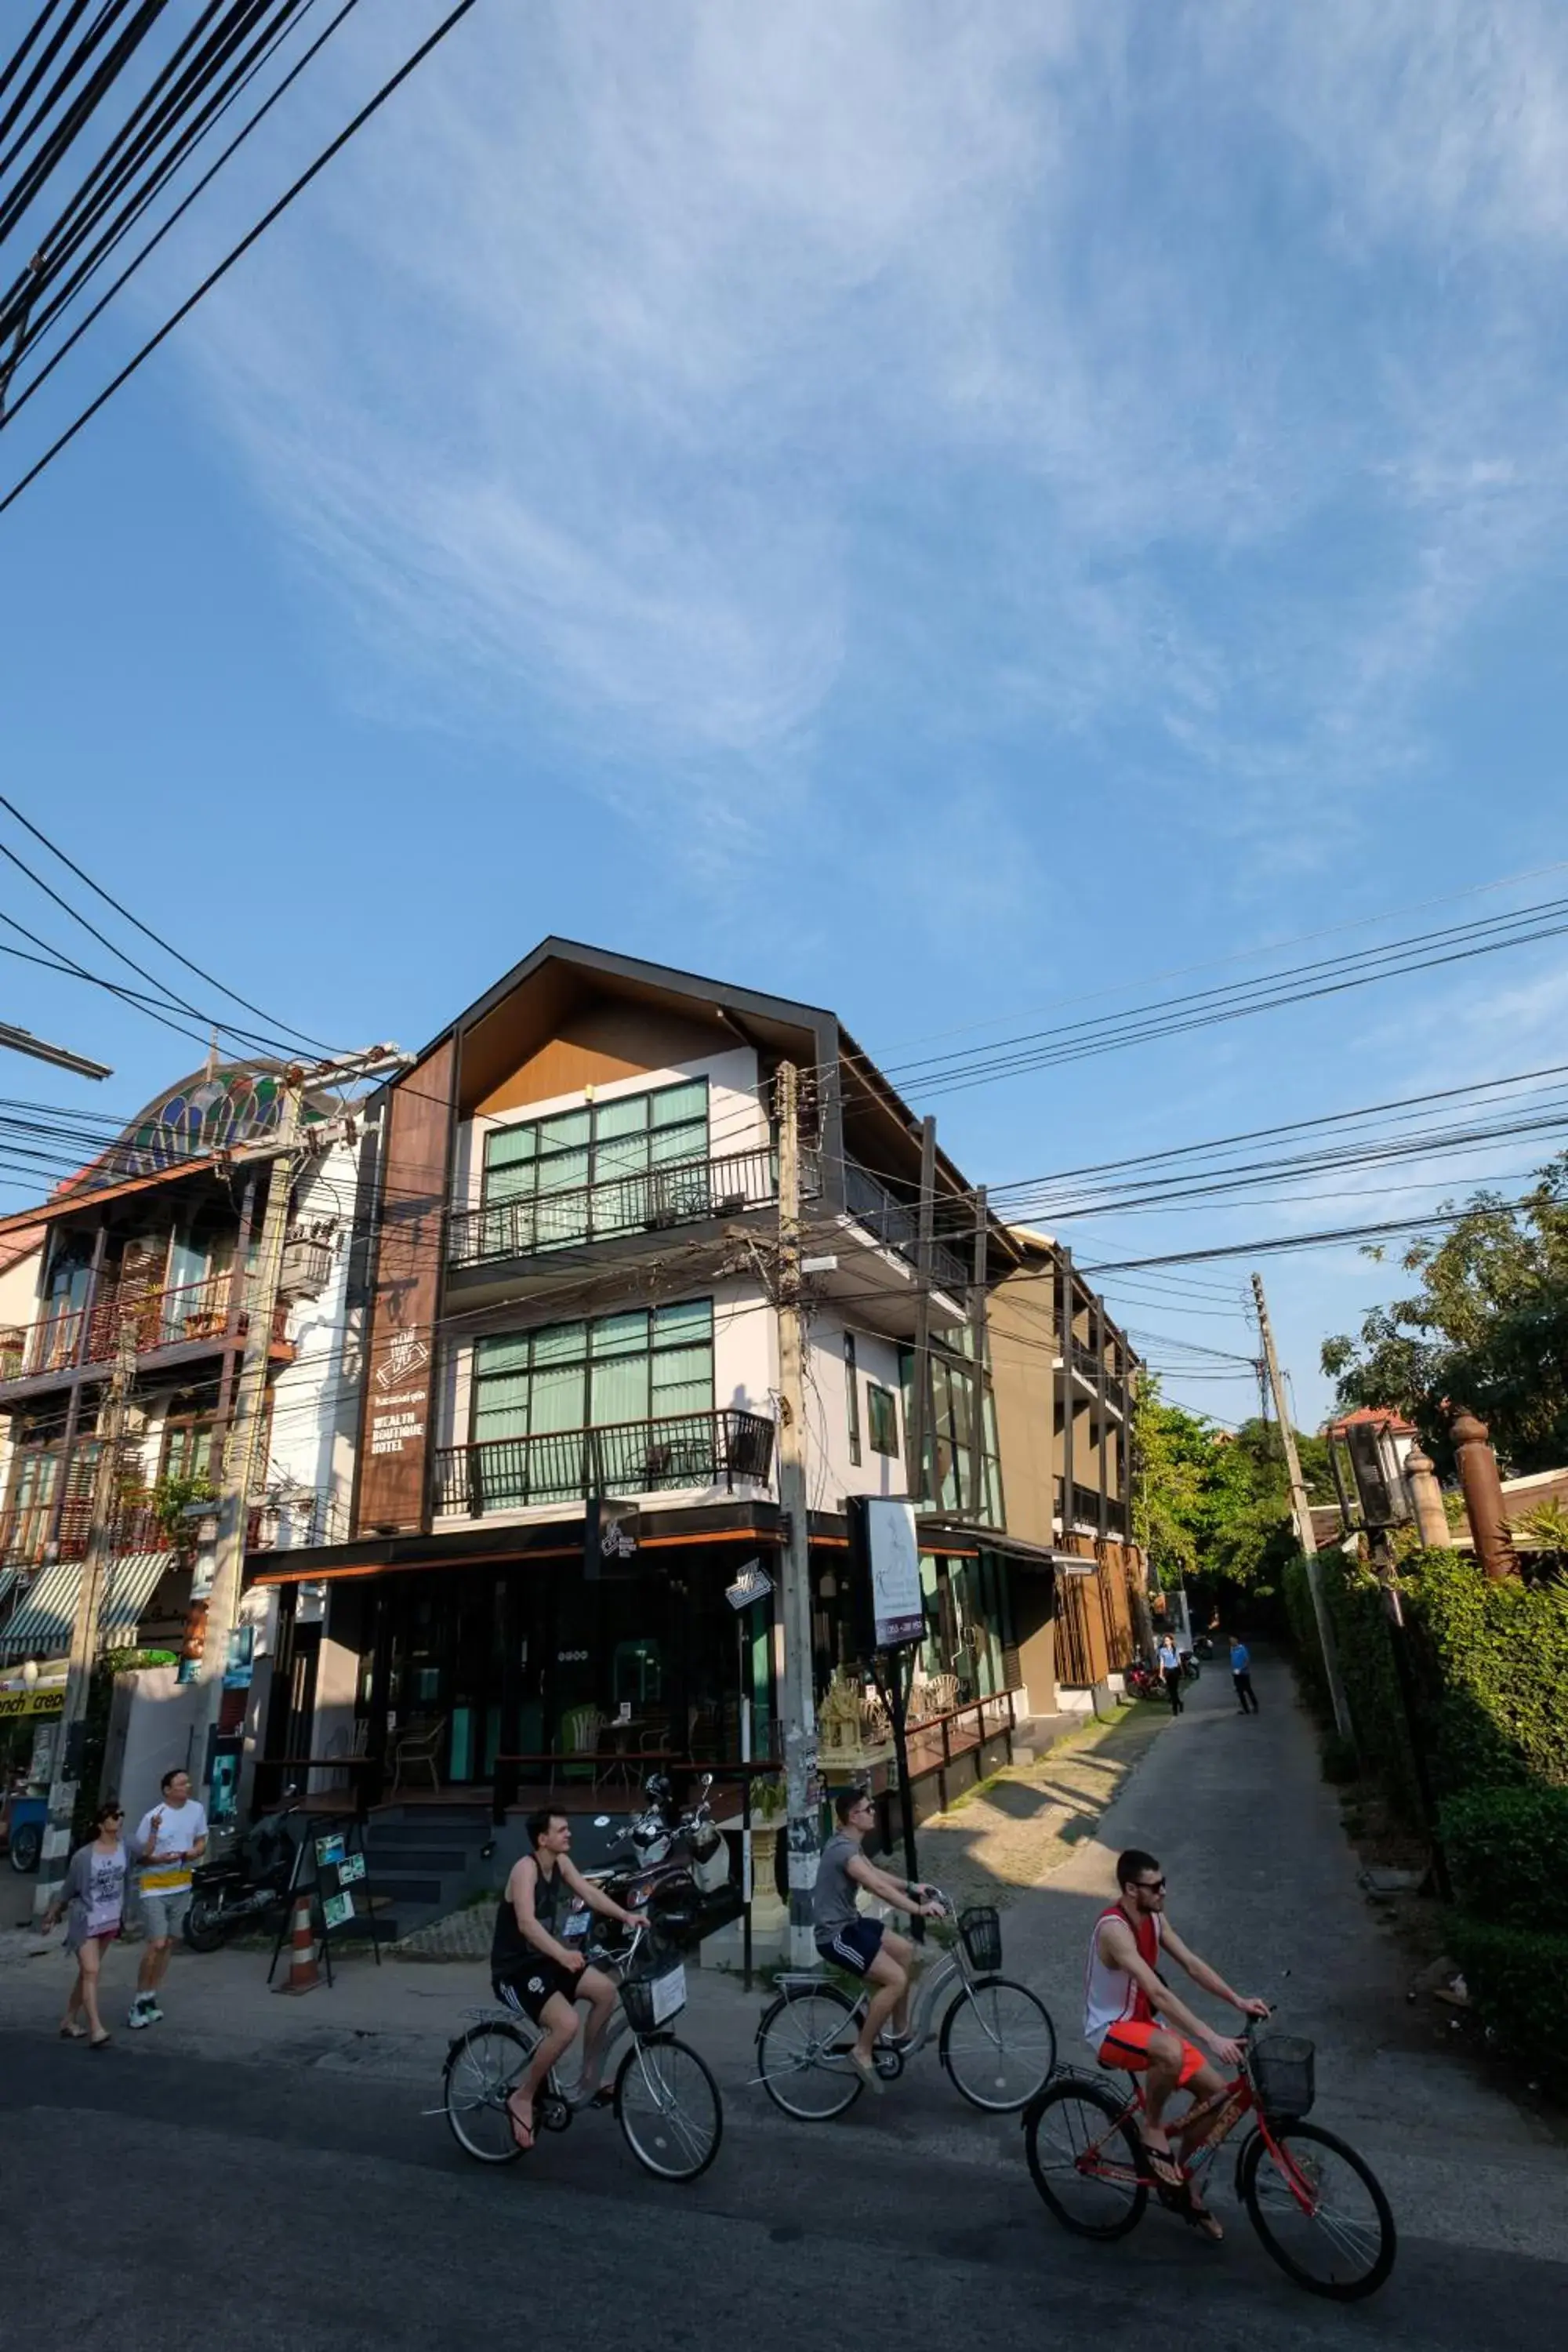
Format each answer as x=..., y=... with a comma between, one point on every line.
x=215, y=276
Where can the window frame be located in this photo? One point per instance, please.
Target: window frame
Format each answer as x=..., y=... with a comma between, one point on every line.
x=675, y=1317
x=852, y=1397
x=877, y=1398
x=501, y=1179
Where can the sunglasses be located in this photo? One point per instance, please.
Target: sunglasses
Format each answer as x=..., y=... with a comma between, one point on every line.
x=1149, y=1886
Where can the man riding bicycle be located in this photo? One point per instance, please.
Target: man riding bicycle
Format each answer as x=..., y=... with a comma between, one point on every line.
x=535, y=1969
x=862, y=1946
x=1125, y=1997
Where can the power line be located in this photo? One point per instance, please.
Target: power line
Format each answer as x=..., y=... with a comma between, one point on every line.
x=215, y=276
x=136, y=920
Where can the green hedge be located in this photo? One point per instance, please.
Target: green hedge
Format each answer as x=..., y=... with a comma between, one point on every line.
x=1491, y=1666
x=1508, y=1857
x=1518, y=1985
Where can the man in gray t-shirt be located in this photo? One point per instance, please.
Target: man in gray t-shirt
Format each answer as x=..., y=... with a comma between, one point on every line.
x=864, y=1946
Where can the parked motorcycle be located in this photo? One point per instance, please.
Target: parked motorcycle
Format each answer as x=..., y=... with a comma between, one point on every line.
x=244, y=1889
x=1144, y=1681
x=670, y=1864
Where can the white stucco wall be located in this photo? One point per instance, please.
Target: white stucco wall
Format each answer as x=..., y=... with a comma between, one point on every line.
x=830, y=1473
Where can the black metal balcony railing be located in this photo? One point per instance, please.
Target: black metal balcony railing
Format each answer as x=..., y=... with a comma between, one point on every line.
x=897, y=1225
x=649, y=1201
x=629, y=1457
x=1086, y=1508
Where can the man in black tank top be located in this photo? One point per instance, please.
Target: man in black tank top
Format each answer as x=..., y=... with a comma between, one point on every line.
x=532, y=1963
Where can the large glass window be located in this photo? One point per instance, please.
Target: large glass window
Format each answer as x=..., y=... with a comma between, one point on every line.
x=627, y=1165
x=952, y=1393
x=643, y=1366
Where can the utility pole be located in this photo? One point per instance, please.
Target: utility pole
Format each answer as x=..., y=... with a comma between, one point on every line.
x=245, y=1429
x=794, y=1583
x=917, y=1436
x=1301, y=1511
x=102, y=1532
x=241, y=1451
x=975, y=1479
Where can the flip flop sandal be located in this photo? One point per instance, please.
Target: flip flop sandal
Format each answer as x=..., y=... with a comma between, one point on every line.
x=521, y=2132
x=867, y=2070
x=1169, y=2187
x=605, y=2096
x=1207, y=2225
x=100, y=2041
x=73, y=2033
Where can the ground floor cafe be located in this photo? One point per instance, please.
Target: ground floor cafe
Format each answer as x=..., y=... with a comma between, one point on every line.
x=489, y=1667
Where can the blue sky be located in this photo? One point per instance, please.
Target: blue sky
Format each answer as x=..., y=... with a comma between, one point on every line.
x=945, y=510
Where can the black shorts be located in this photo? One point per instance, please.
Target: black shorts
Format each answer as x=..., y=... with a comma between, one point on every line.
x=528, y=1984
x=853, y=1947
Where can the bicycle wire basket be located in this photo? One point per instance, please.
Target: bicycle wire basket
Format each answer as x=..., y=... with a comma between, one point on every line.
x=1282, y=2074
x=638, y=1994
x=980, y=1929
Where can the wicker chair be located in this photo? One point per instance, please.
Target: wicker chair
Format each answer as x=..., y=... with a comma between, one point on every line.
x=417, y=1748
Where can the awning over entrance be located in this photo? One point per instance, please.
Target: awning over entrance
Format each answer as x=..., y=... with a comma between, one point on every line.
x=42, y=1624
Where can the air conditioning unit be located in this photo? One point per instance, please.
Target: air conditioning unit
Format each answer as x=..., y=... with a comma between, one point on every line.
x=306, y=1267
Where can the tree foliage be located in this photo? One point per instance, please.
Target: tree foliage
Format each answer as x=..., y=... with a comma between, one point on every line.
x=1486, y=1326
x=1215, y=1502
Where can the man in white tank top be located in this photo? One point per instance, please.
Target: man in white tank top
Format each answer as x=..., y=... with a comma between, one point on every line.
x=1126, y=1999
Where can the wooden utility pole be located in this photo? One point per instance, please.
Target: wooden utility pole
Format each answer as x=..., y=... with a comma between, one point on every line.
x=978, y=1499
x=1302, y=1512
x=245, y=1430
x=241, y=1452
x=103, y=1529
x=917, y=1436
x=795, y=1582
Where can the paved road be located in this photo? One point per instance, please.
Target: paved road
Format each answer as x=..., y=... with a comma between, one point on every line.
x=322, y=2209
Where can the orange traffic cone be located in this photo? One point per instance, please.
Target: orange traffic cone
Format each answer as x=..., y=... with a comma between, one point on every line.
x=304, y=1975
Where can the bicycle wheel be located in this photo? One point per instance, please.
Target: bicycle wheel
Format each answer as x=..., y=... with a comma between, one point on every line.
x=1084, y=2159
x=795, y=2042
x=998, y=2044
x=483, y=2066
x=667, y=2105
x=1320, y=2211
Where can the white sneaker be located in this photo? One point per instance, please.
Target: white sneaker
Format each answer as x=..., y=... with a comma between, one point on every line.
x=141, y=2015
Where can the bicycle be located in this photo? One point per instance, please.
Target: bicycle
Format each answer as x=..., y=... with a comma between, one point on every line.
x=664, y=2097
x=1304, y=2190
x=997, y=2041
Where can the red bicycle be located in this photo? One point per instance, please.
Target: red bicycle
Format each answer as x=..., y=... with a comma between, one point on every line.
x=1315, y=2203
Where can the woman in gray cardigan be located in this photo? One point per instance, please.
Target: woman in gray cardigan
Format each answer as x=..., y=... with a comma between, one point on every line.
x=93, y=1894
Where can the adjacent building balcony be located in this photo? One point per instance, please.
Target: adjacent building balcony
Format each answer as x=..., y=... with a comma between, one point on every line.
x=1085, y=1518
x=896, y=1224
x=195, y=1317
x=634, y=1457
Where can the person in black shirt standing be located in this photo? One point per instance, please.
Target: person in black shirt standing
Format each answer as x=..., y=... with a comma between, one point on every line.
x=534, y=1964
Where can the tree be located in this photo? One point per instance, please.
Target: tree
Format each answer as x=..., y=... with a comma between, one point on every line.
x=1215, y=1502
x=1487, y=1327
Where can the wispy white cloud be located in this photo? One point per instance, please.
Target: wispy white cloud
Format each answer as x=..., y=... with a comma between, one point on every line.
x=679, y=374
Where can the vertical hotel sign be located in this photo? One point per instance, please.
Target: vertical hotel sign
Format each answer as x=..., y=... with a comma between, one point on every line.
x=394, y=1435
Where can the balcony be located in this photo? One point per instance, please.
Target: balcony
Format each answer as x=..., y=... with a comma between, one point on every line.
x=197, y=1313
x=896, y=1224
x=653, y=1200
x=1088, y=1367
x=629, y=1457
x=1086, y=1510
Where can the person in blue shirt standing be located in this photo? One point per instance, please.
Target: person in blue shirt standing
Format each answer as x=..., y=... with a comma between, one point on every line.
x=1241, y=1674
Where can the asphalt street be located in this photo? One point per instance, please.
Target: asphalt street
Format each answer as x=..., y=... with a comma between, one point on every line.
x=155, y=2198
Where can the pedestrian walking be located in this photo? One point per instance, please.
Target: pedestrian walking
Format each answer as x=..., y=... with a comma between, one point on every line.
x=168, y=1841
x=1171, y=1667
x=1241, y=1674
x=93, y=1894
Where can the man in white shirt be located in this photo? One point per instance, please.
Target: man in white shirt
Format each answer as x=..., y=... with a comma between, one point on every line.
x=168, y=1842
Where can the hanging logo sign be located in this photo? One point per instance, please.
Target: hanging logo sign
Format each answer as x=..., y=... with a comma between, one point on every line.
x=885, y=1559
x=609, y=1539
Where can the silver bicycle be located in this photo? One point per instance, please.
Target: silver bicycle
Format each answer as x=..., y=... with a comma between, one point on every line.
x=665, y=2098
x=996, y=2038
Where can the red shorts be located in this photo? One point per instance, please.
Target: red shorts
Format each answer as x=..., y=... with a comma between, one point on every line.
x=1127, y=2044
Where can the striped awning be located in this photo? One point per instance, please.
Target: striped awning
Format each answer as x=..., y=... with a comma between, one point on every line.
x=41, y=1625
